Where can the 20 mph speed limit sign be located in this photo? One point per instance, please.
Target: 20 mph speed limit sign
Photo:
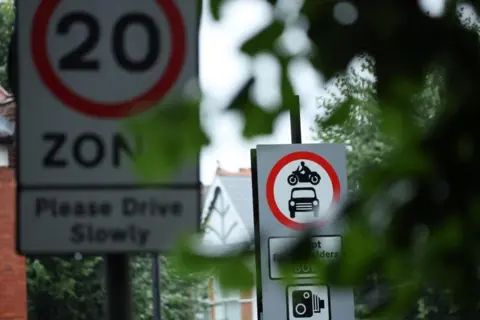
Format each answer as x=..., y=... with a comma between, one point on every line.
x=85, y=66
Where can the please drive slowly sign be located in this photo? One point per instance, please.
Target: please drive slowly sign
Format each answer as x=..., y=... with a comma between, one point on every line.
x=85, y=68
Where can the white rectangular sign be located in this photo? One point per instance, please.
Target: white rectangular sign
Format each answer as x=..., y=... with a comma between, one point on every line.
x=84, y=68
x=299, y=186
x=323, y=247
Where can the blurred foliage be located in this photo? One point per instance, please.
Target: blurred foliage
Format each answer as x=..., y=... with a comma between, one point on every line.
x=7, y=20
x=69, y=288
x=360, y=128
x=169, y=137
x=181, y=294
x=360, y=131
x=413, y=216
x=233, y=267
x=64, y=288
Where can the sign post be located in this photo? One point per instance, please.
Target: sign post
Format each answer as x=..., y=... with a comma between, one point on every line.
x=83, y=67
x=297, y=186
x=119, y=295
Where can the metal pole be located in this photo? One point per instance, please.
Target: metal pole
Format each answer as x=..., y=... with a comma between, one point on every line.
x=296, y=135
x=157, y=311
x=295, y=122
x=119, y=295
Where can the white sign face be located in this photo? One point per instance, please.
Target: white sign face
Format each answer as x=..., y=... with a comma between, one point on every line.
x=301, y=189
x=308, y=301
x=103, y=220
x=323, y=248
x=84, y=67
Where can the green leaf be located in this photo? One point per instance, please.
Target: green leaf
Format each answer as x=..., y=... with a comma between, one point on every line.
x=338, y=115
x=243, y=95
x=235, y=274
x=186, y=260
x=232, y=268
x=258, y=121
x=359, y=249
x=215, y=7
x=170, y=136
x=264, y=40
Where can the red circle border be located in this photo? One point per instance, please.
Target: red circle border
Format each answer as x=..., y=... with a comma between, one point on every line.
x=92, y=108
x=273, y=176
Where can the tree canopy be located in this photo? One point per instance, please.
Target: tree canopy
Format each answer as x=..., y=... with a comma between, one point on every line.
x=7, y=20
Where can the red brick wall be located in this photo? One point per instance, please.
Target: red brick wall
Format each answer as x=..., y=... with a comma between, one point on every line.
x=246, y=309
x=12, y=156
x=13, y=290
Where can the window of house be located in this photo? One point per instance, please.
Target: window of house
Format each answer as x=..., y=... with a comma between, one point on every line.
x=233, y=310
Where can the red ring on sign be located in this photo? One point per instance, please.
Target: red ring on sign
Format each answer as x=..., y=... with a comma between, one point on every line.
x=89, y=107
x=301, y=155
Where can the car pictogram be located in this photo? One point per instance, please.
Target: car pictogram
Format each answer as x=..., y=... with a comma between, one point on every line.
x=303, y=200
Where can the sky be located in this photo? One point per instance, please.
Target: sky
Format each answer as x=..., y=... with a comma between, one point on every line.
x=223, y=69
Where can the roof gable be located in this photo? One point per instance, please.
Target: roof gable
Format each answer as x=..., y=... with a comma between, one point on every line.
x=204, y=194
x=236, y=187
x=239, y=191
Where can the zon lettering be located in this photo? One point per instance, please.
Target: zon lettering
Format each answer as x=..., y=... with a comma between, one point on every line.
x=87, y=150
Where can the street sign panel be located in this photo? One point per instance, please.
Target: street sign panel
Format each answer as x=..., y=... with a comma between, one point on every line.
x=323, y=247
x=85, y=66
x=299, y=185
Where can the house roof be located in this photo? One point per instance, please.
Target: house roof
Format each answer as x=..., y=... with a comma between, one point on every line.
x=238, y=186
x=7, y=108
x=6, y=127
x=204, y=192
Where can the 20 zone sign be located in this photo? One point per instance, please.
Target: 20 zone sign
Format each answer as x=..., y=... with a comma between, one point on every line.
x=89, y=55
x=77, y=60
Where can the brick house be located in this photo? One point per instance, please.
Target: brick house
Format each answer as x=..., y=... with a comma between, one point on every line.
x=13, y=289
x=227, y=217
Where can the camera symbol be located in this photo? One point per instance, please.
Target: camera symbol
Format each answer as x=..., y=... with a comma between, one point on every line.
x=305, y=303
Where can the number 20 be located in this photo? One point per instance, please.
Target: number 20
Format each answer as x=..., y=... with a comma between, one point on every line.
x=76, y=60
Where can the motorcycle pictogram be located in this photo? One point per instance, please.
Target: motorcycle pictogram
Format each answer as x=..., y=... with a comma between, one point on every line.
x=303, y=174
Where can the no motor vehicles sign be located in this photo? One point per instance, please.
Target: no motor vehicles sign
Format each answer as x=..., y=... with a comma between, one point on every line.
x=292, y=193
x=299, y=185
x=84, y=66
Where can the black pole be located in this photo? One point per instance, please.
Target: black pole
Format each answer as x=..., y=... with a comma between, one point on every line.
x=296, y=134
x=119, y=296
x=295, y=123
x=256, y=233
x=157, y=311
